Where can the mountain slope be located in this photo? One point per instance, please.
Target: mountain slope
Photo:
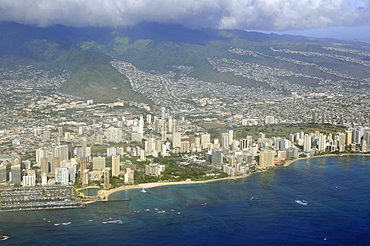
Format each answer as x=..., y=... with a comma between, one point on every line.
x=250, y=60
x=92, y=76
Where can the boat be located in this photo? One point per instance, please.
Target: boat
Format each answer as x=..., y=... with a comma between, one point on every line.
x=143, y=190
x=113, y=222
x=302, y=202
x=66, y=223
x=3, y=238
x=57, y=224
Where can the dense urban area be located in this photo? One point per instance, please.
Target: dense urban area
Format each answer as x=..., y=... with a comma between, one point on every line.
x=53, y=144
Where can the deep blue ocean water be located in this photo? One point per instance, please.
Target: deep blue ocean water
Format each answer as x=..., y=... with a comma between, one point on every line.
x=258, y=210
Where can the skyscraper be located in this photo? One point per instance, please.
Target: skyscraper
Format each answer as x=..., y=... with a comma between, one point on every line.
x=85, y=177
x=225, y=140
x=60, y=132
x=141, y=125
x=176, y=140
x=170, y=124
x=116, y=161
x=197, y=142
x=83, y=164
x=348, y=137
x=231, y=135
x=61, y=151
x=16, y=174
x=163, y=112
x=267, y=159
x=149, y=119
x=62, y=175
x=106, y=172
x=84, y=146
x=114, y=135
x=46, y=136
x=205, y=139
x=129, y=176
x=98, y=163
x=4, y=171
x=307, y=143
x=322, y=142
x=184, y=146
x=149, y=145
x=41, y=153
x=216, y=158
x=341, y=140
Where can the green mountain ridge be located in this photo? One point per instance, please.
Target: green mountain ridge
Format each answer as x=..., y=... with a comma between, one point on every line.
x=87, y=52
x=92, y=75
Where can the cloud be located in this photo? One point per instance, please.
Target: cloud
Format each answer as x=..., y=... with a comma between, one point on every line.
x=230, y=14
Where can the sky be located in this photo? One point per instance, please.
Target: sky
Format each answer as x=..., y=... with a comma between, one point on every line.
x=346, y=19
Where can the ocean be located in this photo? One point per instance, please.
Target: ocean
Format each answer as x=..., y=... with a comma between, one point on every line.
x=319, y=201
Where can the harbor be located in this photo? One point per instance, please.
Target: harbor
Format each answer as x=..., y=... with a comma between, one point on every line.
x=38, y=198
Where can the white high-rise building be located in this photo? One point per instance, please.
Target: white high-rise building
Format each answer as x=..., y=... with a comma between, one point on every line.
x=163, y=113
x=205, y=139
x=60, y=132
x=267, y=159
x=149, y=145
x=85, y=177
x=307, y=143
x=164, y=149
x=29, y=181
x=41, y=153
x=231, y=135
x=322, y=142
x=99, y=163
x=44, y=179
x=114, y=135
x=342, y=140
x=149, y=119
x=129, y=176
x=225, y=140
x=269, y=120
x=111, y=151
x=61, y=151
x=116, y=161
x=46, y=136
x=84, y=146
x=176, y=140
x=62, y=175
x=141, y=125
x=154, y=169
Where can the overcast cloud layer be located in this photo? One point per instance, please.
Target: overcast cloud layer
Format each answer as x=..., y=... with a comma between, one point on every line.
x=230, y=14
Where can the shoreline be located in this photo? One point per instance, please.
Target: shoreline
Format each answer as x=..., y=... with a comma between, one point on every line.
x=104, y=194
x=287, y=163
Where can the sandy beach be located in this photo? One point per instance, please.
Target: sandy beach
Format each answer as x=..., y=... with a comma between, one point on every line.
x=104, y=194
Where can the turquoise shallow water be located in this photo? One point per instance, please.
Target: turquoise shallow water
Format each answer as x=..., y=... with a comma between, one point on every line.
x=258, y=210
x=90, y=191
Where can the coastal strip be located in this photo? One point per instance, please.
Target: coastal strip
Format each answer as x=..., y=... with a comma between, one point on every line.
x=104, y=194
